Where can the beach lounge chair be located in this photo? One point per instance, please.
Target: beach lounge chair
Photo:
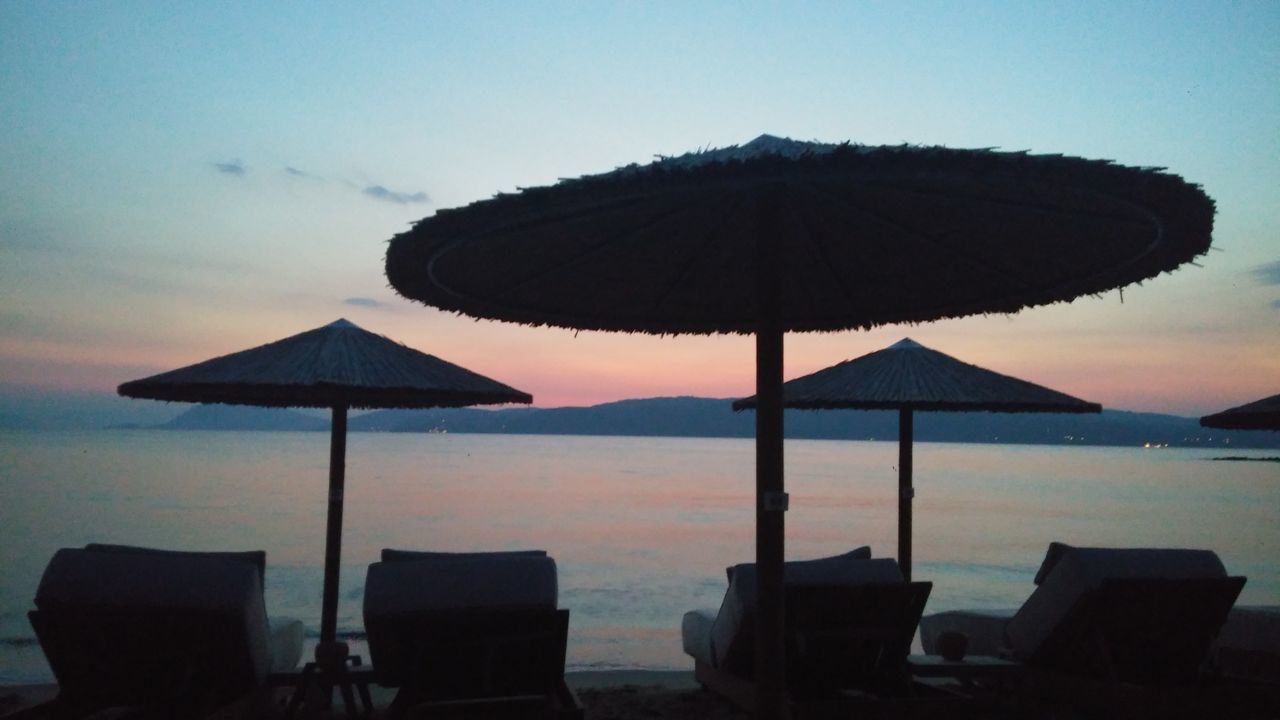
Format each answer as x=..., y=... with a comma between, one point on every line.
x=850, y=621
x=1249, y=645
x=185, y=632
x=478, y=632
x=1139, y=616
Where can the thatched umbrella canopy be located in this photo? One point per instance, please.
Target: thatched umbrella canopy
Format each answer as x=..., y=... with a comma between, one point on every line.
x=910, y=377
x=779, y=236
x=1261, y=414
x=337, y=366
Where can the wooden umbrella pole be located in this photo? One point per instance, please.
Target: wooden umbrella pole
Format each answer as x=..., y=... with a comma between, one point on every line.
x=771, y=500
x=770, y=529
x=333, y=534
x=906, y=436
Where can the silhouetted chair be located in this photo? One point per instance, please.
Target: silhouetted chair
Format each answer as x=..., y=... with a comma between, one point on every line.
x=1137, y=616
x=479, y=632
x=1248, y=646
x=185, y=632
x=849, y=625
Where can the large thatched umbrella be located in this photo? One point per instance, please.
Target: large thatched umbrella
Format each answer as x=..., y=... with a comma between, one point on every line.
x=780, y=236
x=1261, y=414
x=909, y=377
x=337, y=366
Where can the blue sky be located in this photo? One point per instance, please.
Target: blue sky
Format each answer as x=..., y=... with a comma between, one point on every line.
x=182, y=180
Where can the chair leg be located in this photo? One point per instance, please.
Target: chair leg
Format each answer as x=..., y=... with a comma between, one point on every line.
x=316, y=684
x=299, y=690
x=364, y=697
x=349, y=699
x=405, y=698
x=362, y=685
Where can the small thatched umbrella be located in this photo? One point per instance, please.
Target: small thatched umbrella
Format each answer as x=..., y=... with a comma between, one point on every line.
x=1261, y=414
x=337, y=366
x=909, y=377
x=780, y=236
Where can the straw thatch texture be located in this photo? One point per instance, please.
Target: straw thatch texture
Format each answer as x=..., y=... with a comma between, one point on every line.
x=908, y=375
x=338, y=364
x=866, y=236
x=1261, y=414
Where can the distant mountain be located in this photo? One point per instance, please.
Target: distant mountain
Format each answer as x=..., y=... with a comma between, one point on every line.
x=669, y=416
x=243, y=417
x=682, y=416
x=41, y=409
x=706, y=417
x=461, y=420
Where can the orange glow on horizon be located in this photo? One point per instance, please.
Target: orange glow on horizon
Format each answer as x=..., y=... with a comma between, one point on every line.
x=1168, y=375
x=1082, y=349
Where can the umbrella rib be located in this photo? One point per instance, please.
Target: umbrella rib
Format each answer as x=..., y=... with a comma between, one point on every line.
x=1039, y=207
x=909, y=232
x=576, y=258
x=587, y=210
x=687, y=267
x=1157, y=238
x=1021, y=297
x=1156, y=224
x=1154, y=221
x=824, y=254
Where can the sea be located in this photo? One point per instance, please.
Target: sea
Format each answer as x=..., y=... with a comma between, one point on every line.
x=641, y=528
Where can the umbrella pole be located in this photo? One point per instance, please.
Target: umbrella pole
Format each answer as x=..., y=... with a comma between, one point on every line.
x=906, y=436
x=771, y=500
x=333, y=535
x=770, y=535
x=330, y=668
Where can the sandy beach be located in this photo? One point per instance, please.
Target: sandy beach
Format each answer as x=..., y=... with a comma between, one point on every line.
x=675, y=694
x=616, y=694
x=625, y=694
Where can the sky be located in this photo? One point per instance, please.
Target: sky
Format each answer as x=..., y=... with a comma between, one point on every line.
x=184, y=180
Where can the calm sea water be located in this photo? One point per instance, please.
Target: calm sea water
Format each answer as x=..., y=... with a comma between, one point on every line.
x=641, y=528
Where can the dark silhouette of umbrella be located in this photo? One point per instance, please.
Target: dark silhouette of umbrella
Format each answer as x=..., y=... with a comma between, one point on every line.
x=780, y=236
x=1261, y=414
x=337, y=366
x=909, y=377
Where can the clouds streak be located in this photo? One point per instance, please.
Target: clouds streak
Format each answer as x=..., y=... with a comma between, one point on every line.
x=378, y=192
x=234, y=168
x=373, y=191
x=1268, y=274
x=302, y=174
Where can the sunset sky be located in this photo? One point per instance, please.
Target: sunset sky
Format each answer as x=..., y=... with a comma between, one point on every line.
x=184, y=180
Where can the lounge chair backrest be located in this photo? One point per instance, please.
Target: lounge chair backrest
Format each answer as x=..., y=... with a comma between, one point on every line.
x=392, y=555
x=257, y=558
x=402, y=595
x=1249, y=645
x=140, y=627
x=1051, y=557
x=852, y=637
x=475, y=653
x=810, y=568
x=404, y=586
x=732, y=633
x=1073, y=583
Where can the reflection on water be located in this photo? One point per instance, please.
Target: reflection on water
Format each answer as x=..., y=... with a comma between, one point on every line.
x=642, y=528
